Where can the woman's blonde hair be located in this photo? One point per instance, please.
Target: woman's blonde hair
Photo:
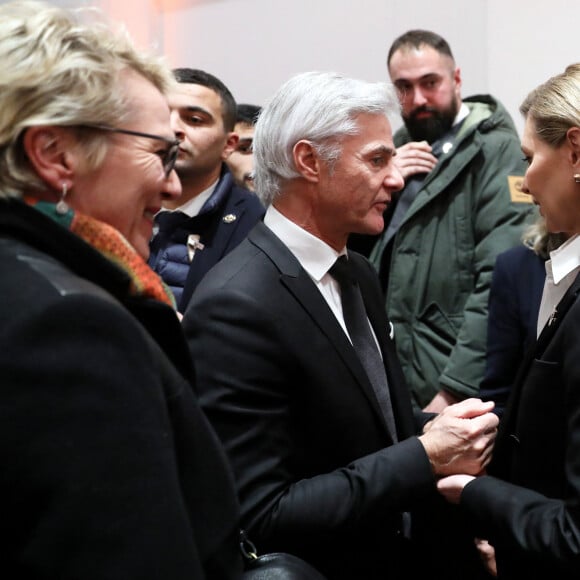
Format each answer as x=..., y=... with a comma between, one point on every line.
x=554, y=106
x=537, y=237
x=54, y=70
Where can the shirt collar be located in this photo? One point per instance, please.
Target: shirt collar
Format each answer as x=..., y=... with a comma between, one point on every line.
x=461, y=114
x=565, y=259
x=194, y=205
x=314, y=255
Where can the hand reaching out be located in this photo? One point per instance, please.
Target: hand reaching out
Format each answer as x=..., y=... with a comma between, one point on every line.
x=450, y=487
x=487, y=554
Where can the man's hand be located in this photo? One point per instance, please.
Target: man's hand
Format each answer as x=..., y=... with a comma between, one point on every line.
x=413, y=158
x=460, y=439
x=487, y=554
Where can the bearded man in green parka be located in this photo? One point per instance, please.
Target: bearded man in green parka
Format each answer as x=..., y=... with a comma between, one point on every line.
x=460, y=207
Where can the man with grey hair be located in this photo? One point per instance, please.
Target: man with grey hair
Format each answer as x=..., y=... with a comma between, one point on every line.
x=295, y=366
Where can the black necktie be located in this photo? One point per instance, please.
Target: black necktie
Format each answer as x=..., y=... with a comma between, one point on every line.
x=363, y=341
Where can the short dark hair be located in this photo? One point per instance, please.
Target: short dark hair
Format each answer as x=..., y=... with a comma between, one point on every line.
x=195, y=76
x=248, y=114
x=417, y=38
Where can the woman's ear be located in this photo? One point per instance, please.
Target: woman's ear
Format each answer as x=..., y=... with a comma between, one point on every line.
x=49, y=150
x=573, y=140
x=306, y=160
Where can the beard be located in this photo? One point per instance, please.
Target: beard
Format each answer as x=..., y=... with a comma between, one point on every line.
x=430, y=128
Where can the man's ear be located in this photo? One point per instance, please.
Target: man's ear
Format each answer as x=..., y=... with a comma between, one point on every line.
x=457, y=80
x=573, y=140
x=231, y=144
x=49, y=150
x=306, y=161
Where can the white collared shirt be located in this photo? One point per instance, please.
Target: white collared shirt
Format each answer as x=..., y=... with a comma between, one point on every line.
x=194, y=205
x=461, y=114
x=561, y=271
x=314, y=255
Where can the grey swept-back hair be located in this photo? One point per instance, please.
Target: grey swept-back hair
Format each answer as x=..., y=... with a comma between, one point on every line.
x=320, y=107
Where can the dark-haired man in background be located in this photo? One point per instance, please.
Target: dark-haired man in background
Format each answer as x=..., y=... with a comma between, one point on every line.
x=460, y=207
x=241, y=161
x=213, y=214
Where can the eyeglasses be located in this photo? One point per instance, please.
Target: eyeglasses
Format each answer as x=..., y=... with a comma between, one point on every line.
x=169, y=156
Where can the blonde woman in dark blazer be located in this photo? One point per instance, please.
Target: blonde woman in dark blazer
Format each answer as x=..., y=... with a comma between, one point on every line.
x=528, y=507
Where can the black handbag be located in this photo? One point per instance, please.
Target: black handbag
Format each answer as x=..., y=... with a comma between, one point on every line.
x=274, y=566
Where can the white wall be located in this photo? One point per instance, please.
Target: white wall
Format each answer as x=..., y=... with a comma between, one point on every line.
x=504, y=47
x=261, y=43
x=527, y=42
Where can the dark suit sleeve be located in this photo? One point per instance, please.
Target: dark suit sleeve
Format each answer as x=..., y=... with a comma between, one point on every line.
x=257, y=381
x=525, y=523
x=90, y=478
x=544, y=454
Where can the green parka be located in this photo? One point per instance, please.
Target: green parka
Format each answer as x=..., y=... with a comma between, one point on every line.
x=466, y=212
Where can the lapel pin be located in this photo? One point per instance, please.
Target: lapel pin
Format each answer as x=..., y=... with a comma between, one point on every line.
x=229, y=218
x=193, y=244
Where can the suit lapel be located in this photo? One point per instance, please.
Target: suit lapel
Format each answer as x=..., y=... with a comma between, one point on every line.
x=204, y=259
x=556, y=318
x=535, y=351
x=297, y=281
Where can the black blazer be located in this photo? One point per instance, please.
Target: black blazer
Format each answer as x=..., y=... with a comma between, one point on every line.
x=109, y=467
x=316, y=470
x=530, y=510
x=514, y=300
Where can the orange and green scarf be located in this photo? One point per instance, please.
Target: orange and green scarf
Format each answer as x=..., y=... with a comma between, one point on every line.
x=113, y=246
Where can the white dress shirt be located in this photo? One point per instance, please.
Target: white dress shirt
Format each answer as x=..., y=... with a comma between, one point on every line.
x=316, y=257
x=561, y=271
x=194, y=205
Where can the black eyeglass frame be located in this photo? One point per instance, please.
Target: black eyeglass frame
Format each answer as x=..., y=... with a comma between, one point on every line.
x=169, y=158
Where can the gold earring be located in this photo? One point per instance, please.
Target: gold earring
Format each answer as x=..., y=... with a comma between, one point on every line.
x=577, y=177
x=62, y=206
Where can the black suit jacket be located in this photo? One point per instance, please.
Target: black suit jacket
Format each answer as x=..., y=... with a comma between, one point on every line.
x=531, y=509
x=514, y=300
x=316, y=471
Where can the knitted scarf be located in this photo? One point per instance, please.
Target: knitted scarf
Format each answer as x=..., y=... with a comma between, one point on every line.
x=113, y=246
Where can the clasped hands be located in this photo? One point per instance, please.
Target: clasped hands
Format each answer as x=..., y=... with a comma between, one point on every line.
x=459, y=443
